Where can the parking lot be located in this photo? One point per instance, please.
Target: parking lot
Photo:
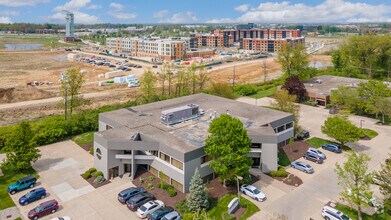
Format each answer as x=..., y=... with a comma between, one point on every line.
x=59, y=170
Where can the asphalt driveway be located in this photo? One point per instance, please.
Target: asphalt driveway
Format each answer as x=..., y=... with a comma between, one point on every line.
x=59, y=169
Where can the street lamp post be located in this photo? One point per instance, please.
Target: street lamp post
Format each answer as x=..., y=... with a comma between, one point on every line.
x=361, y=123
x=238, y=178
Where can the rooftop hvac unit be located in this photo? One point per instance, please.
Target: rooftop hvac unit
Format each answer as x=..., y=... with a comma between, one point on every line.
x=180, y=114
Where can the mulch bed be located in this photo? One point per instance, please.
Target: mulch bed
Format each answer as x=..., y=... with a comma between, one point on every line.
x=91, y=182
x=290, y=180
x=366, y=138
x=295, y=150
x=87, y=146
x=159, y=194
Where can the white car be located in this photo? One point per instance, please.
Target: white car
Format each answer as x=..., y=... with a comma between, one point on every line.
x=253, y=192
x=329, y=213
x=61, y=218
x=149, y=207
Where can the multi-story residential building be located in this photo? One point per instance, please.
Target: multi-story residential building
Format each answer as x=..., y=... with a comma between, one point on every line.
x=268, y=45
x=168, y=137
x=214, y=40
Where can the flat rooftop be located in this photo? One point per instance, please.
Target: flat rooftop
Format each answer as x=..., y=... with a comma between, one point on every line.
x=189, y=135
x=323, y=85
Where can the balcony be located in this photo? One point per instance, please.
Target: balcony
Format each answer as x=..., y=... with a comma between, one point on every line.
x=256, y=150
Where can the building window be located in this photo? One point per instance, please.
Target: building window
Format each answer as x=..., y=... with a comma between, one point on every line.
x=256, y=145
x=205, y=159
x=98, y=153
x=176, y=163
x=165, y=157
x=154, y=152
x=289, y=125
x=164, y=177
x=177, y=185
x=280, y=129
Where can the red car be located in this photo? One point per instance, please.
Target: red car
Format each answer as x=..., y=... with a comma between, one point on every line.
x=43, y=209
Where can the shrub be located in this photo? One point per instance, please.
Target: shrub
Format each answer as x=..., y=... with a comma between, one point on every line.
x=171, y=191
x=181, y=206
x=150, y=186
x=91, y=170
x=142, y=180
x=246, y=89
x=99, y=180
x=279, y=173
x=98, y=173
x=151, y=178
x=165, y=186
x=92, y=150
x=86, y=175
x=160, y=185
x=227, y=216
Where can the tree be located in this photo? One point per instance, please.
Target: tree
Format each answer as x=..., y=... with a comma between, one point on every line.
x=382, y=106
x=167, y=74
x=203, y=77
x=295, y=87
x=197, y=199
x=341, y=129
x=71, y=84
x=228, y=145
x=370, y=92
x=294, y=60
x=384, y=181
x=354, y=178
x=345, y=97
x=286, y=103
x=20, y=148
x=222, y=89
x=148, y=83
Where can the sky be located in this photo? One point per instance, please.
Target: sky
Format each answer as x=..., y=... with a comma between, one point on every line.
x=196, y=11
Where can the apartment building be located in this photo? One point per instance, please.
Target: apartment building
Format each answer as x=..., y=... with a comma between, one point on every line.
x=167, y=137
x=268, y=45
x=214, y=40
x=239, y=35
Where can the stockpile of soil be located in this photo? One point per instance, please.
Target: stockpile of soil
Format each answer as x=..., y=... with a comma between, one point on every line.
x=18, y=94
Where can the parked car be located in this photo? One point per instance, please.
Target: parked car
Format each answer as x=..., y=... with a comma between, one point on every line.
x=149, y=207
x=329, y=213
x=174, y=215
x=22, y=184
x=253, y=192
x=332, y=147
x=303, y=135
x=316, y=152
x=61, y=218
x=43, y=209
x=302, y=166
x=158, y=214
x=138, y=200
x=126, y=194
x=313, y=158
x=154, y=66
x=33, y=195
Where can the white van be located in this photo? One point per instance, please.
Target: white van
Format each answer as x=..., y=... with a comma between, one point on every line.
x=329, y=213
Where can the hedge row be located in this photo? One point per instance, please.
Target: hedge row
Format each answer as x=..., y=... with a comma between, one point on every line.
x=55, y=128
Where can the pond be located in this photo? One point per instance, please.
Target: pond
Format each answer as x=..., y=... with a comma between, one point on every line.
x=22, y=46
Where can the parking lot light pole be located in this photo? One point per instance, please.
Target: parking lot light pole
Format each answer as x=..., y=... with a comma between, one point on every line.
x=238, y=178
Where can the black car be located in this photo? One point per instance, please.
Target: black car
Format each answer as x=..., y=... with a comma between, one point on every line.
x=136, y=201
x=313, y=158
x=126, y=194
x=303, y=135
x=158, y=214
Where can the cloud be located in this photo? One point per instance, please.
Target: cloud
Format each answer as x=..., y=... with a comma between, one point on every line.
x=72, y=5
x=80, y=18
x=5, y=20
x=327, y=11
x=242, y=8
x=19, y=3
x=116, y=6
x=9, y=13
x=160, y=14
x=94, y=7
x=180, y=17
x=222, y=20
x=122, y=15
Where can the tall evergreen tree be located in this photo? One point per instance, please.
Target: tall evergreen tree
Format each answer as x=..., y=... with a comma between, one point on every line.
x=197, y=200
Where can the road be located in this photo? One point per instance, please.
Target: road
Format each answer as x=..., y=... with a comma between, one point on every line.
x=49, y=100
x=307, y=200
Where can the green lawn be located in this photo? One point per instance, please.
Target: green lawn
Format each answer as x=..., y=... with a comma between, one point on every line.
x=221, y=207
x=370, y=133
x=84, y=138
x=352, y=213
x=265, y=93
x=7, y=179
x=48, y=41
x=318, y=142
x=283, y=160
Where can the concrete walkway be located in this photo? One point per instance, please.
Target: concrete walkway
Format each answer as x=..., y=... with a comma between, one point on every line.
x=9, y=214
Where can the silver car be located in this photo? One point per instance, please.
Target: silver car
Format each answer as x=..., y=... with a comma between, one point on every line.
x=302, y=166
x=316, y=152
